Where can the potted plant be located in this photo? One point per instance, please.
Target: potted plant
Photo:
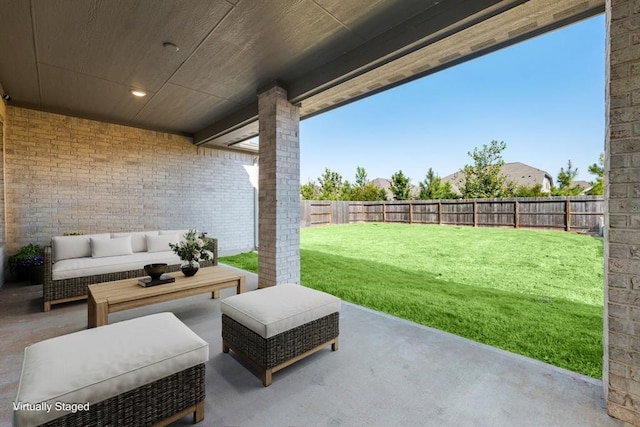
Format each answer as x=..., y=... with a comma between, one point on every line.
x=35, y=267
x=191, y=250
x=26, y=259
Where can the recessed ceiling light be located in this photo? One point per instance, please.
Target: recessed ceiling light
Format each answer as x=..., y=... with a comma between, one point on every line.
x=170, y=46
x=139, y=93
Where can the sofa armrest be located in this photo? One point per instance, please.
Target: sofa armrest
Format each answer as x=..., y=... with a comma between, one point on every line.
x=48, y=281
x=212, y=244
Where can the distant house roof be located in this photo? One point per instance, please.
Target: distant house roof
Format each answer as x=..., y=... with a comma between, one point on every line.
x=585, y=185
x=382, y=183
x=517, y=172
x=525, y=175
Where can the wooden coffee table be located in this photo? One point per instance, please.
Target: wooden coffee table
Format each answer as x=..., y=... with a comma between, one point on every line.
x=110, y=297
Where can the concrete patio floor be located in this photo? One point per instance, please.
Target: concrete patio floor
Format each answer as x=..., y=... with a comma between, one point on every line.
x=388, y=371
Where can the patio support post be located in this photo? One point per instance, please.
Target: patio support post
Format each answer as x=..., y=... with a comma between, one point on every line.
x=279, y=188
x=621, y=367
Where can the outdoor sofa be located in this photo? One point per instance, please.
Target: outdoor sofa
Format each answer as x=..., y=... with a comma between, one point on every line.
x=72, y=263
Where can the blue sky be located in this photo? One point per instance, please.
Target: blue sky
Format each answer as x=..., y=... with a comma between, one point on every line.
x=543, y=97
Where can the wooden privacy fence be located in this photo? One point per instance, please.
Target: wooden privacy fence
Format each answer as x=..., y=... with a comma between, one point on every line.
x=576, y=213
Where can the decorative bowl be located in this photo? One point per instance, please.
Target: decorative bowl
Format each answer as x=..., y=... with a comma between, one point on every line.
x=155, y=270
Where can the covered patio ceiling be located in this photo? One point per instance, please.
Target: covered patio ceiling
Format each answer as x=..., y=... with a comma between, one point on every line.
x=82, y=58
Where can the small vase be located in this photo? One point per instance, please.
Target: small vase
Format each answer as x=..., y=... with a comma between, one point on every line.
x=189, y=268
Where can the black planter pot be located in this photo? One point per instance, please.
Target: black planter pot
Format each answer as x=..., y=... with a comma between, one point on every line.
x=36, y=275
x=21, y=274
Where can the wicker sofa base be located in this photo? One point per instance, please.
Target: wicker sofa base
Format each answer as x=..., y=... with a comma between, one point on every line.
x=158, y=403
x=269, y=355
x=66, y=290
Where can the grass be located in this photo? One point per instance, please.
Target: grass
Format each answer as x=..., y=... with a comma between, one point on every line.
x=535, y=293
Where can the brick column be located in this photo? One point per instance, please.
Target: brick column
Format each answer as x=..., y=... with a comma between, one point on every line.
x=3, y=115
x=279, y=189
x=621, y=370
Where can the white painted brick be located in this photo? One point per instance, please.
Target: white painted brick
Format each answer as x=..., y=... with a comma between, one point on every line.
x=100, y=177
x=279, y=231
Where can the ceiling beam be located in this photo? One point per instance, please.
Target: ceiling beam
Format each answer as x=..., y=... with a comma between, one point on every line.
x=436, y=23
x=231, y=124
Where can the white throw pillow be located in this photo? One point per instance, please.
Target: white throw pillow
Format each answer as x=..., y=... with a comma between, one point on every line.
x=101, y=248
x=68, y=247
x=161, y=243
x=138, y=239
x=180, y=233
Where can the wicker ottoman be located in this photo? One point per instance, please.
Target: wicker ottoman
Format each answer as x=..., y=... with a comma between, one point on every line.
x=136, y=372
x=274, y=327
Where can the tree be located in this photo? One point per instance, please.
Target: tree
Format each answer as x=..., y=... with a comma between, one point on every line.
x=483, y=179
x=330, y=185
x=565, y=178
x=368, y=193
x=565, y=182
x=361, y=190
x=597, y=186
x=533, y=191
x=346, y=191
x=433, y=188
x=361, y=177
x=308, y=191
x=400, y=187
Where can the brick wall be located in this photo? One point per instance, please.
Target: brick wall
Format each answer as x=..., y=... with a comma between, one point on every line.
x=3, y=113
x=621, y=373
x=66, y=174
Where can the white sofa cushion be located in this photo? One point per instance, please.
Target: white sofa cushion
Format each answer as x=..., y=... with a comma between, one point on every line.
x=161, y=243
x=101, y=248
x=138, y=239
x=180, y=233
x=88, y=266
x=66, y=247
x=97, y=364
x=279, y=308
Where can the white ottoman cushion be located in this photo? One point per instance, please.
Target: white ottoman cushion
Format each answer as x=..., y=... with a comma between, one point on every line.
x=96, y=364
x=271, y=311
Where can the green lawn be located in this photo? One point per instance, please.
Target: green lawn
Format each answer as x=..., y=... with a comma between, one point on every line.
x=536, y=293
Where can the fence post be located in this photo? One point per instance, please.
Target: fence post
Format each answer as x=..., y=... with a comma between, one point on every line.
x=567, y=211
x=410, y=213
x=384, y=212
x=439, y=212
x=475, y=213
x=516, y=219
